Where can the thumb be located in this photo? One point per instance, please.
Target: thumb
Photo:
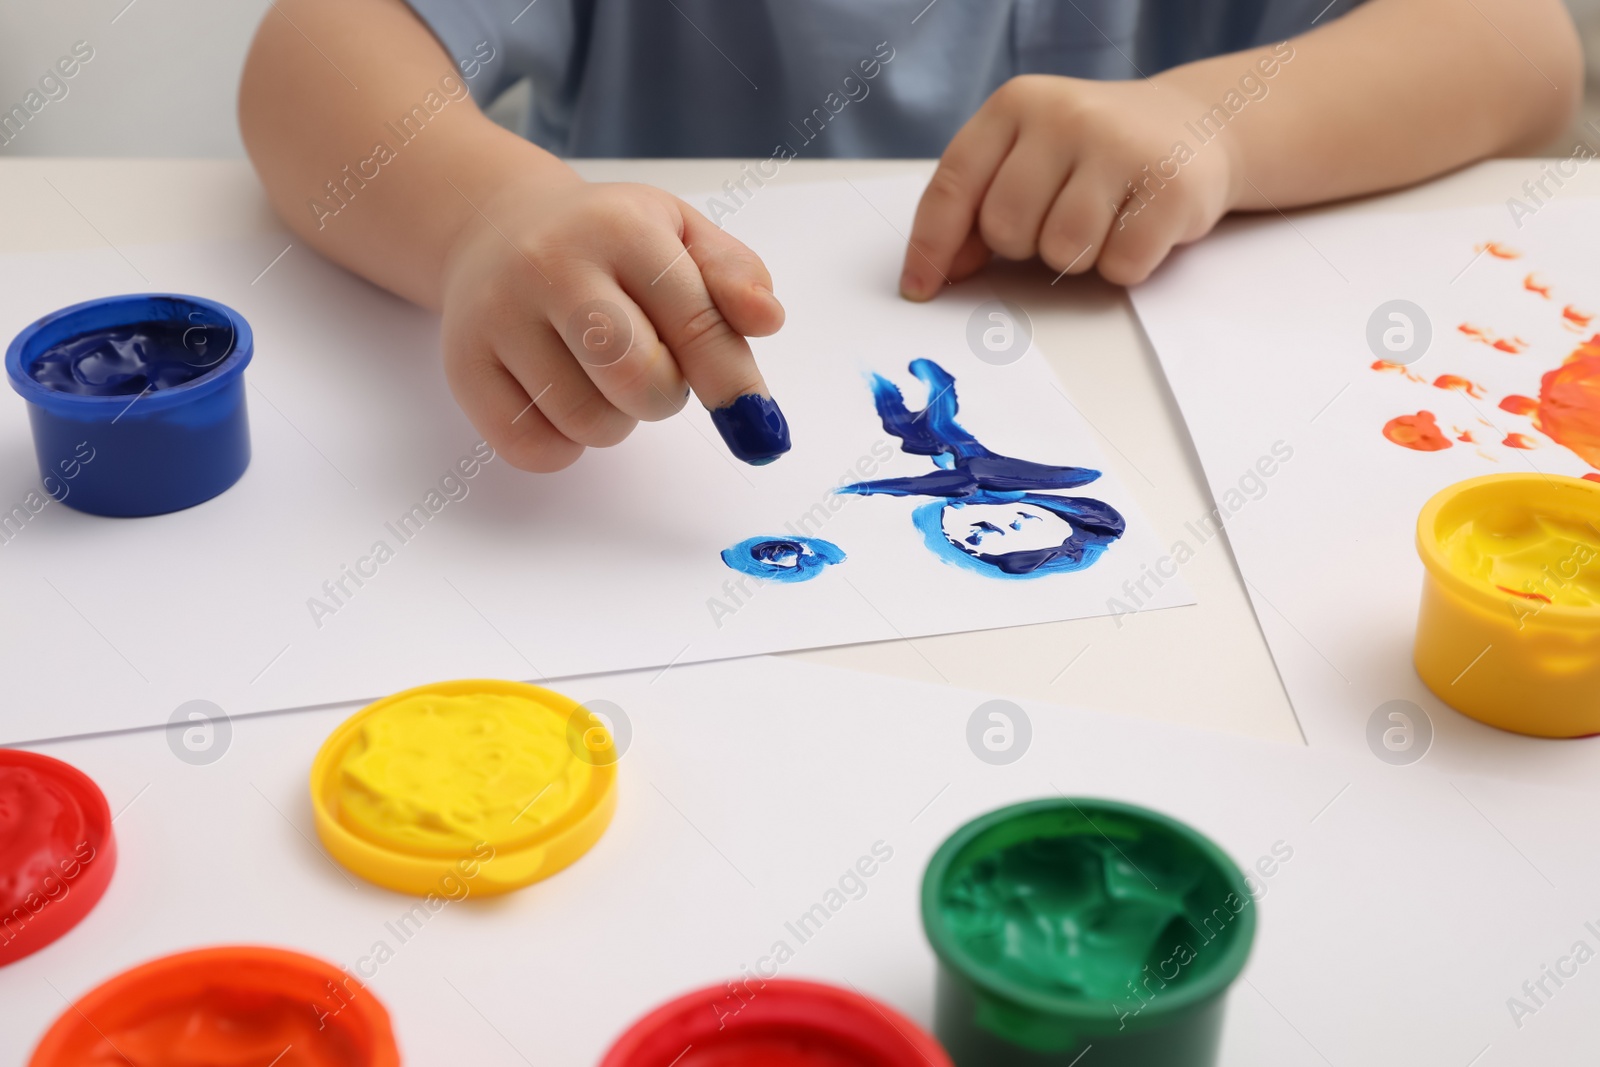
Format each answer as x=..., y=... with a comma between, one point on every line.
x=737, y=280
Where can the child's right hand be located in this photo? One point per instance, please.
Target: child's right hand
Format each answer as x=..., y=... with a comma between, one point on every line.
x=572, y=311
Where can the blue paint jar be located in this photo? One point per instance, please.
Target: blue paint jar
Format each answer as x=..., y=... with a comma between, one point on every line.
x=137, y=402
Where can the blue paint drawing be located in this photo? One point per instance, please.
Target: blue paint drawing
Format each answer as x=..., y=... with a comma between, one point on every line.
x=991, y=514
x=783, y=559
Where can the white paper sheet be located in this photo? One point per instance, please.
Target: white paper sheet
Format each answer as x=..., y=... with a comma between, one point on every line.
x=1400, y=914
x=1262, y=330
x=612, y=564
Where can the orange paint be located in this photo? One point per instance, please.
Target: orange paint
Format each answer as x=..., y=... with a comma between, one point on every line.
x=1569, y=403
x=1465, y=436
x=1519, y=440
x=1514, y=345
x=1591, y=477
x=1405, y=372
x=1526, y=596
x=1531, y=284
x=1419, y=432
x=1460, y=384
x=1575, y=318
x=1497, y=250
x=1519, y=405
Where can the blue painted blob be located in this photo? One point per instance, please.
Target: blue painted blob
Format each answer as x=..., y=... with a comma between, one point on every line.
x=991, y=513
x=783, y=559
x=128, y=360
x=754, y=428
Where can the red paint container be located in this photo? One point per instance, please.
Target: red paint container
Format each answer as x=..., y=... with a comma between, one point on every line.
x=777, y=1023
x=57, y=851
x=238, y=1004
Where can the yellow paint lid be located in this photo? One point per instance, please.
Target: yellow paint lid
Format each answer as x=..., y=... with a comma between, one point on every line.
x=483, y=783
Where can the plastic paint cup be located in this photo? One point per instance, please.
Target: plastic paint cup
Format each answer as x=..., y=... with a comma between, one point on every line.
x=1509, y=628
x=57, y=851
x=234, y=1004
x=128, y=444
x=472, y=787
x=1066, y=924
x=780, y=1022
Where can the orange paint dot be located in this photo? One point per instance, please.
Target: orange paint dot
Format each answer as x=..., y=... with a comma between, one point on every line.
x=1460, y=384
x=1591, y=477
x=1526, y=596
x=1519, y=405
x=1470, y=330
x=1497, y=250
x=1576, y=317
x=1532, y=284
x=1419, y=432
x=1465, y=436
x=1514, y=346
x=1519, y=440
x=1385, y=365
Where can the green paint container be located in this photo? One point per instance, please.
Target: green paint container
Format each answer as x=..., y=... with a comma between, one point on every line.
x=1063, y=925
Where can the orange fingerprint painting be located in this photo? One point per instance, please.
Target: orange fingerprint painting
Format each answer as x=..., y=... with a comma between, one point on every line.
x=1465, y=437
x=1519, y=405
x=1532, y=284
x=1419, y=432
x=1497, y=250
x=1569, y=402
x=1387, y=367
x=1460, y=384
x=1519, y=440
x=1514, y=345
x=1575, y=319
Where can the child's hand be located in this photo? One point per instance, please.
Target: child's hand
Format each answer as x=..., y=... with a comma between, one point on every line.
x=581, y=309
x=1049, y=166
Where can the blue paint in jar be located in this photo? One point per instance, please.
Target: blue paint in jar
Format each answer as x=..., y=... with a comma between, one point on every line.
x=150, y=385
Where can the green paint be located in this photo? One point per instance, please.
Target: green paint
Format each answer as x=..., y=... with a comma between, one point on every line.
x=1065, y=923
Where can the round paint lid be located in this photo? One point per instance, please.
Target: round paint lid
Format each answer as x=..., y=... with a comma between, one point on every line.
x=1062, y=908
x=488, y=784
x=232, y=1004
x=57, y=850
x=780, y=1022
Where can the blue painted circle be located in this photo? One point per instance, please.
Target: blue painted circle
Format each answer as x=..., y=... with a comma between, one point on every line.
x=783, y=559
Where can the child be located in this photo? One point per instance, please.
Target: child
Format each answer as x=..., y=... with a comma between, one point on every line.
x=571, y=310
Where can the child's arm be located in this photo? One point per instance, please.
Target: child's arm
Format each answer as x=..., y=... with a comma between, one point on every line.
x=500, y=235
x=1114, y=174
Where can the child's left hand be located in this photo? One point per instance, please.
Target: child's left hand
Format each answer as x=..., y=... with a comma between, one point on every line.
x=1050, y=166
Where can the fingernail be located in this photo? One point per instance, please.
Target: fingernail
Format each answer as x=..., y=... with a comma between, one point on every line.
x=753, y=428
x=911, y=286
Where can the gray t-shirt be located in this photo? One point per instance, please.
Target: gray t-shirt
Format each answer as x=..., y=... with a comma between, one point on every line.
x=884, y=78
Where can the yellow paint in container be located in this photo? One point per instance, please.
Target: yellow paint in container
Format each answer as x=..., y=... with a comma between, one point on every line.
x=1509, y=630
x=491, y=785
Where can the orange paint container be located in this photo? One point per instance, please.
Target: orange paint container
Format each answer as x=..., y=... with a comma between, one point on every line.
x=224, y=1006
x=1509, y=628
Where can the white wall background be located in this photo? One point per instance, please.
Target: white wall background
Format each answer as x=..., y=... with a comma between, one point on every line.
x=165, y=74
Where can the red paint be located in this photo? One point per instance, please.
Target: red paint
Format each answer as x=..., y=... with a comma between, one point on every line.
x=1532, y=285
x=238, y=1006
x=1497, y=250
x=57, y=852
x=1569, y=402
x=1460, y=384
x=1519, y=405
x=777, y=1023
x=1526, y=596
x=1466, y=437
x=1519, y=440
x=1592, y=477
x=1418, y=431
x=1576, y=318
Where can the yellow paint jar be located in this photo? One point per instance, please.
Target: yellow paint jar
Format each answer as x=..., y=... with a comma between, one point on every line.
x=486, y=785
x=1509, y=630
